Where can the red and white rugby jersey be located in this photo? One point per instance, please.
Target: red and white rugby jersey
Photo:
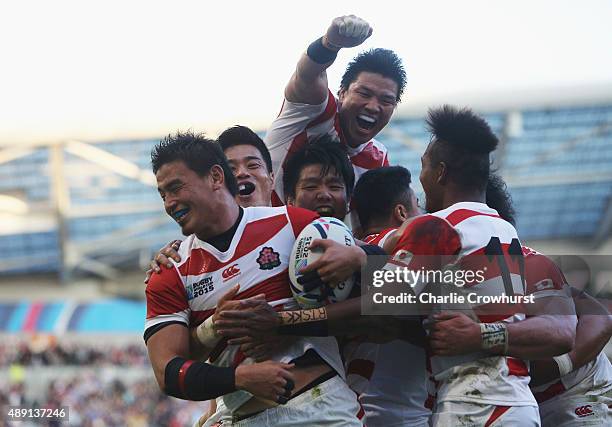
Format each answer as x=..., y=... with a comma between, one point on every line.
x=594, y=378
x=472, y=236
x=544, y=278
x=257, y=259
x=379, y=239
x=360, y=357
x=389, y=378
x=298, y=123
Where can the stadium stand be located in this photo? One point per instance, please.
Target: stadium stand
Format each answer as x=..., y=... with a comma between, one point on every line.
x=557, y=162
x=84, y=201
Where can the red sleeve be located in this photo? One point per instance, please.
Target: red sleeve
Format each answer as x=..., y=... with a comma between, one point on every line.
x=428, y=235
x=300, y=218
x=542, y=274
x=165, y=293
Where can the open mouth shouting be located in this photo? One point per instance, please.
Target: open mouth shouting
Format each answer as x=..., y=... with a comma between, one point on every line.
x=246, y=188
x=366, y=122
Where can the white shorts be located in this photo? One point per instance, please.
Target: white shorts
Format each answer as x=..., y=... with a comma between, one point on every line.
x=477, y=414
x=586, y=410
x=330, y=404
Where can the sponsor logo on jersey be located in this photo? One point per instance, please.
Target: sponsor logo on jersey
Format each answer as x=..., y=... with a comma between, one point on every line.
x=229, y=272
x=268, y=259
x=584, y=411
x=201, y=287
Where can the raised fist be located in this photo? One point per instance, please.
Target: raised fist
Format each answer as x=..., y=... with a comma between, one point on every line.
x=347, y=31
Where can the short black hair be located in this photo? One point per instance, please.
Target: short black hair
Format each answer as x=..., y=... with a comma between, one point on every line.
x=380, y=61
x=325, y=151
x=242, y=135
x=462, y=140
x=378, y=190
x=499, y=198
x=197, y=151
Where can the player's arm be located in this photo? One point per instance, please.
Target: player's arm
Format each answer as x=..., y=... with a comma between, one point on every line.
x=168, y=345
x=337, y=264
x=308, y=84
x=593, y=332
x=204, y=338
x=262, y=320
x=337, y=319
x=454, y=333
x=188, y=379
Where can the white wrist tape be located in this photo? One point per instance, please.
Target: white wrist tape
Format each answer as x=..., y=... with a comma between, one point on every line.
x=206, y=333
x=494, y=335
x=565, y=364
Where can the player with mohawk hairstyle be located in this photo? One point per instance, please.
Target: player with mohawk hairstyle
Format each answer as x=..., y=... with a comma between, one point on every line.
x=483, y=385
x=574, y=388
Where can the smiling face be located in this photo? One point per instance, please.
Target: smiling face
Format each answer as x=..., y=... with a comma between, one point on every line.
x=254, y=181
x=186, y=195
x=325, y=194
x=366, y=107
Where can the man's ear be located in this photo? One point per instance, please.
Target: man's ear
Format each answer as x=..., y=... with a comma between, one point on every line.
x=217, y=177
x=290, y=201
x=400, y=213
x=442, y=173
x=341, y=94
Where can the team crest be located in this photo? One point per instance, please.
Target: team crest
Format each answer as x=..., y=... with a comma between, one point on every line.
x=268, y=259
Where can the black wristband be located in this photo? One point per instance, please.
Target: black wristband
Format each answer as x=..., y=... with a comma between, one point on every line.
x=319, y=53
x=192, y=380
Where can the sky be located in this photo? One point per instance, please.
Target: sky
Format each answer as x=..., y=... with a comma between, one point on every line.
x=100, y=70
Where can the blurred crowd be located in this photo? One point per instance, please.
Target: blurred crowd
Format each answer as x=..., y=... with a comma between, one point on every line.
x=48, y=351
x=94, y=400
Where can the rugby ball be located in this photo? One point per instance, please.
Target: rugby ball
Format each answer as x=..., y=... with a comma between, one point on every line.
x=301, y=256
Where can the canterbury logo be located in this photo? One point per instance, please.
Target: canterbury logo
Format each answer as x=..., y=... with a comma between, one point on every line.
x=230, y=272
x=584, y=411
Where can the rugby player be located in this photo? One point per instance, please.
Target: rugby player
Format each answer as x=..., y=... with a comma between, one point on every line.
x=483, y=385
x=250, y=162
x=227, y=244
x=574, y=388
x=370, y=89
x=391, y=376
